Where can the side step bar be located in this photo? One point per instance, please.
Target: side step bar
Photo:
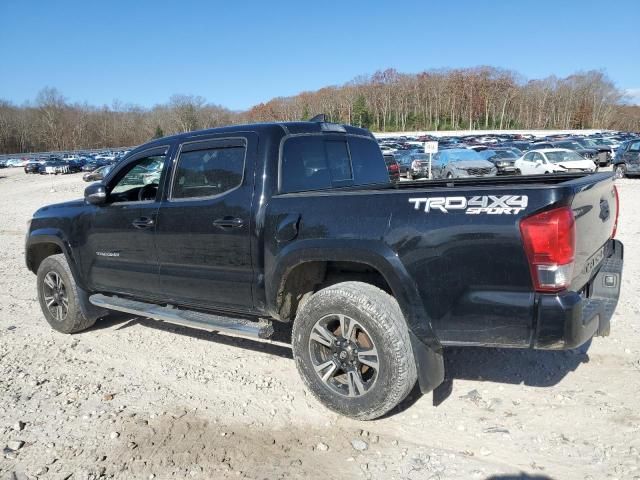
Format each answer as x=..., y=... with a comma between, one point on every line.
x=188, y=318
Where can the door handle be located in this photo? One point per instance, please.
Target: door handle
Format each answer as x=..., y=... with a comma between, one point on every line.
x=228, y=222
x=143, y=222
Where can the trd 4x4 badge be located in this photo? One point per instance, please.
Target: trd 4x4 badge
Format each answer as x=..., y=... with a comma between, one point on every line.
x=490, y=204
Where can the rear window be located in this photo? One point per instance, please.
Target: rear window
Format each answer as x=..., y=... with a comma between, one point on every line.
x=317, y=162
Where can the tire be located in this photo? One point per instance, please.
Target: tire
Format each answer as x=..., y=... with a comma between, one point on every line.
x=64, y=314
x=620, y=171
x=449, y=176
x=364, y=393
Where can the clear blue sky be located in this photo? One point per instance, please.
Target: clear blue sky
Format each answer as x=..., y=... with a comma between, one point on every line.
x=238, y=53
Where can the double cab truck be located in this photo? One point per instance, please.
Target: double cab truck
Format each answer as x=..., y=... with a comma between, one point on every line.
x=299, y=223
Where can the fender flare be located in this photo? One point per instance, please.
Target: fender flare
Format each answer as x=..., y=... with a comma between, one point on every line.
x=427, y=350
x=56, y=237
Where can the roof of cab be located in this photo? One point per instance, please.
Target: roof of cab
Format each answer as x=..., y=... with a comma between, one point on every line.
x=277, y=128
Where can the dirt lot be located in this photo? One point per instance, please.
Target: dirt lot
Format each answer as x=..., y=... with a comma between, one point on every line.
x=131, y=398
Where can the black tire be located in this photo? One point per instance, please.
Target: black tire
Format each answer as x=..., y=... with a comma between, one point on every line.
x=383, y=324
x=620, y=170
x=72, y=320
x=449, y=176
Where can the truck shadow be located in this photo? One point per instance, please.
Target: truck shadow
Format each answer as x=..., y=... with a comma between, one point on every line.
x=536, y=368
x=519, y=476
x=278, y=344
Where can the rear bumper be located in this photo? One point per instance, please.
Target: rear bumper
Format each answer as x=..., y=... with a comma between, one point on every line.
x=569, y=319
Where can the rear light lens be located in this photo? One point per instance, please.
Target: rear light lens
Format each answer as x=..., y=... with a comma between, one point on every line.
x=393, y=167
x=615, y=223
x=550, y=242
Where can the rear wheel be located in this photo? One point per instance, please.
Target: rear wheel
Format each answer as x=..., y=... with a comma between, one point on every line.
x=58, y=296
x=620, y=171
x=352, y=349
x=449, y=175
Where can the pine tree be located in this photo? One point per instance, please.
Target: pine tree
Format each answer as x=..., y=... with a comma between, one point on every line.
x=159, y=133
x=361, y=116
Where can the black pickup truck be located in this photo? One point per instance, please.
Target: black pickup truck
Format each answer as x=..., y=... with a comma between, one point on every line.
x=298, y=222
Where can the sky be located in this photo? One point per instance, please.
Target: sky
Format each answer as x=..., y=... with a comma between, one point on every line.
x=240, y=53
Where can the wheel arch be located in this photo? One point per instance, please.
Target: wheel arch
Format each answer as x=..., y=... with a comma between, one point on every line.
x=44, y=243
x=306, y=264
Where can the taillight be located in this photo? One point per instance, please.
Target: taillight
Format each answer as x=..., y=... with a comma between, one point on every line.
x=550, y=242
x=393, y=167
x=615, y=223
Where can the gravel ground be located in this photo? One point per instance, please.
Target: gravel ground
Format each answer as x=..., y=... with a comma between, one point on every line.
x=131, y=398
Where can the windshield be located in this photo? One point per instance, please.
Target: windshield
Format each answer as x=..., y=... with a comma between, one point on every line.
x=557, y=157
x=457, y=155
x=588, y=143
x=572, y=145
x=503, y=154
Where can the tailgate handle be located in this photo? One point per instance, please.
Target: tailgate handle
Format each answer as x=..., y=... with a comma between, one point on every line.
x=605, y=211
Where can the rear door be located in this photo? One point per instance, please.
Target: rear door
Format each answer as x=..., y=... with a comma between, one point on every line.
x=204, y=224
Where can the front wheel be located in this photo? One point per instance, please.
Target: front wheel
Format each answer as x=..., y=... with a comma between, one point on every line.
x=352, y=349
x=620, y=171
x=58, y=296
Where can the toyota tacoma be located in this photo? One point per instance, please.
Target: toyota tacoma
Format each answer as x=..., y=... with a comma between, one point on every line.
x=298, y=222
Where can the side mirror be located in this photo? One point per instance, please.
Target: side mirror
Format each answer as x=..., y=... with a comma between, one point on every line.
x=538, y=162
x=96, y=194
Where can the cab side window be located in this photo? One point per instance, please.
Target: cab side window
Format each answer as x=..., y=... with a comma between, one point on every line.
x=634, y=147
x=208, y=172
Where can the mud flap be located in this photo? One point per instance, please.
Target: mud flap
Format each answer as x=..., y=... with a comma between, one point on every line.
x=430, y=364
x=90, y=311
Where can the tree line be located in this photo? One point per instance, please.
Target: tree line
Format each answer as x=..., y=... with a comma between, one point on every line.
x=448, y=99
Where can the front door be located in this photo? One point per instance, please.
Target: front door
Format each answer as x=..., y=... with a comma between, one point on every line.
x=204, y=225
x=120, y=255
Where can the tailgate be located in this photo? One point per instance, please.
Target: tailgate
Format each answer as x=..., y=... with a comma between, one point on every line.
x=595, y=211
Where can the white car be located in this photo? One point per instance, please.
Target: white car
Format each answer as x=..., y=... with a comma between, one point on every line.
x=553, y=160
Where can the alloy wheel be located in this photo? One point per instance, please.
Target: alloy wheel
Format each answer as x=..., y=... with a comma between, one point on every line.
x=55, y=296
x=343, y=355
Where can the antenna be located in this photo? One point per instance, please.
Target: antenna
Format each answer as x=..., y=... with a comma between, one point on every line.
x=319, y=118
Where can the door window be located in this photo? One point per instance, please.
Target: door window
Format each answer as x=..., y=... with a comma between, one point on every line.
x=139, y=181
x=209, y=172
x=634, y=147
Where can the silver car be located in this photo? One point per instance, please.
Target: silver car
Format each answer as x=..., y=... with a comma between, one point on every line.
x=461, y=163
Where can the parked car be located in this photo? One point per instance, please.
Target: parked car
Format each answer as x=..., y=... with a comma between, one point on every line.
x=588, y=153
x=53, y=167
x=374, y=279
x=97, y=174
x=461, y=163
x=404, y=162
x=392, y=167
x=627, y=161
x=503, y=158
x=14, y=162
x=90, y=166
x=76, y=165
x=33, y=166
x=553, y=160
x=604, y=152
x=418, y=166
